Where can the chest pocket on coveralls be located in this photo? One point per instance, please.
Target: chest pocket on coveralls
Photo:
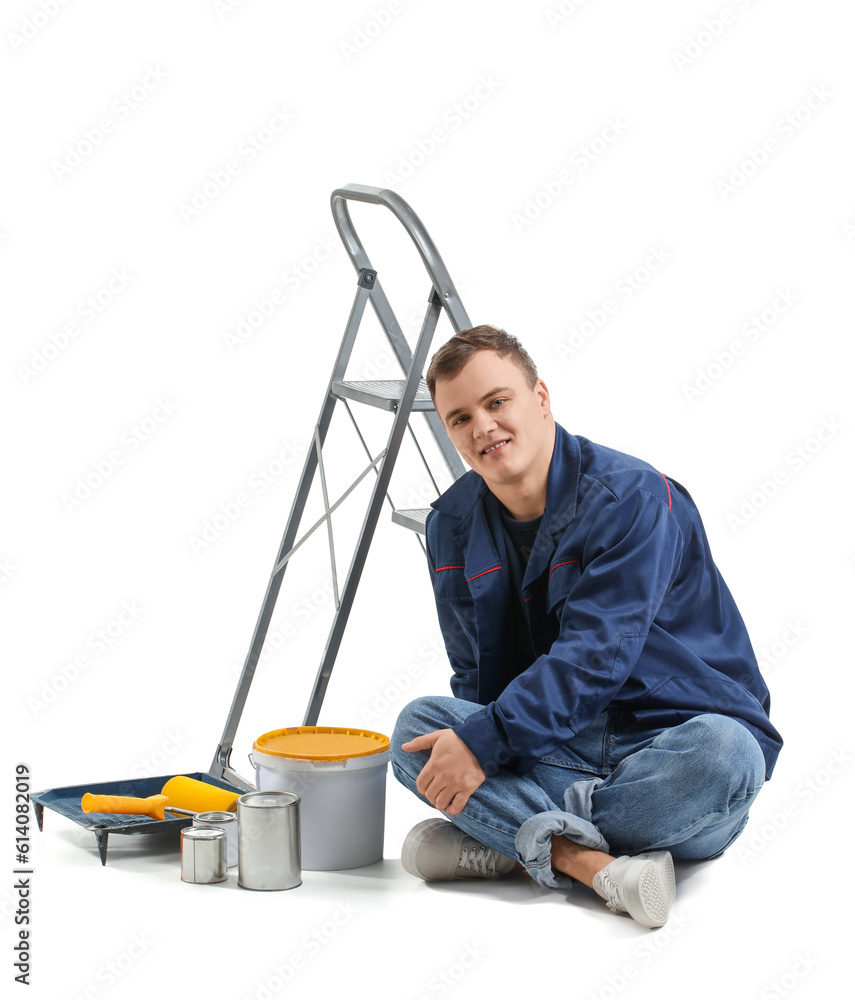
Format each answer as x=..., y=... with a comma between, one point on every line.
x=450, y=587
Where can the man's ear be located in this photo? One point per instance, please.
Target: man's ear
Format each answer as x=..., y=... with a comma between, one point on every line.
x=543, y=393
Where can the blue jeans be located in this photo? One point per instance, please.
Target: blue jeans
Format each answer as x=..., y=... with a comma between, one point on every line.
x=623, y=791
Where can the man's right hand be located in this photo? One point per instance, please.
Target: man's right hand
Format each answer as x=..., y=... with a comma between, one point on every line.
x=451, y=774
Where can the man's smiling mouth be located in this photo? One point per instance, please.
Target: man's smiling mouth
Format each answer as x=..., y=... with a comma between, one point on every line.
x=493, y=447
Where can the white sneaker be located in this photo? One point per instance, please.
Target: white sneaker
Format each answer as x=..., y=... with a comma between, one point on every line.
x=642, y=886
x=436, y=850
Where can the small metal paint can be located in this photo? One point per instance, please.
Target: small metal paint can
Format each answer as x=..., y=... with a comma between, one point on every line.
x=203, y=855
x=269, y=840
x=225, y=821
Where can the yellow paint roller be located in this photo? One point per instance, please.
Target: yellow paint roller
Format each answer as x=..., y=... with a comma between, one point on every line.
x=179, y=792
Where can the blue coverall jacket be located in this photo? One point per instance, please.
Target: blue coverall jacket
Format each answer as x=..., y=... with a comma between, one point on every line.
x=627, y=611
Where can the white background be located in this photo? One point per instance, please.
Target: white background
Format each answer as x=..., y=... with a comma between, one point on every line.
x=630, y=134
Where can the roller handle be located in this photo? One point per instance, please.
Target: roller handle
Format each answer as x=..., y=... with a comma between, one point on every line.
x=127, y=805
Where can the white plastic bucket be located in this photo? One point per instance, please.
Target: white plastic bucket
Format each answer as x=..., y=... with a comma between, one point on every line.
x=340, y=776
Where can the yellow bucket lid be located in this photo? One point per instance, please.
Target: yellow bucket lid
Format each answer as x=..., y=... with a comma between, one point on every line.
x=321, y=743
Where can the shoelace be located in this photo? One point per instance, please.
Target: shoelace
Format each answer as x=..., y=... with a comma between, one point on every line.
x=480, y=858
x=614, y=902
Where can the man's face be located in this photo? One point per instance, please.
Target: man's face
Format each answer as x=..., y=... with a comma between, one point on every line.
x=502, y=428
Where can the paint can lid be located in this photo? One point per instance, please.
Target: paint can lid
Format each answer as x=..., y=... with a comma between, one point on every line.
x=274, y=799
x=321, y=743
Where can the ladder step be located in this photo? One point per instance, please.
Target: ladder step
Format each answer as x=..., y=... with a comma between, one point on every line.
x=412, y=519
x=383, y=393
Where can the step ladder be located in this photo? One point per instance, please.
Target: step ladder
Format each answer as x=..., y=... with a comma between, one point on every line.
x=400, y=397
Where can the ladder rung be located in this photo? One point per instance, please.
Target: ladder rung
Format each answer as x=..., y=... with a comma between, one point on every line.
x=383, y=393
x=412, y=519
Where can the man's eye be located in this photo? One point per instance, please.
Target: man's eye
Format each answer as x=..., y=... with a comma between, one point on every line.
x=498, y=402
x=454, y=423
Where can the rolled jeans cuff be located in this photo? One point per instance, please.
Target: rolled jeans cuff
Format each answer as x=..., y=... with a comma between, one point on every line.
x=533, y=843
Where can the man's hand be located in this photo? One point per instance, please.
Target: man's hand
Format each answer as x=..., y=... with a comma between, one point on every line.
x=451, y=774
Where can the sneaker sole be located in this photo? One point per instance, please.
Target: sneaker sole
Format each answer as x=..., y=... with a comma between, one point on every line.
x=649, y=901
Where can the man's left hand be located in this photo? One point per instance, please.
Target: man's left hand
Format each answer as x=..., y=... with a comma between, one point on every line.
x=451, y=774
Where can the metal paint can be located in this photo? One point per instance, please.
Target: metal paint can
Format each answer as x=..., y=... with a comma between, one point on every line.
x=203, y=855
x=225, y=821
x=269, y=840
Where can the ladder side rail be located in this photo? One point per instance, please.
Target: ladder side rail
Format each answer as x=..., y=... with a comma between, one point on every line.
x=387, y=319
x=372, y=515
x=365, y=447
x=377, y=471
x=220, y=763
x=328, y=513
x=443, y=442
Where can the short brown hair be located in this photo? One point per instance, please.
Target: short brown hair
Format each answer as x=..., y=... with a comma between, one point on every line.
x=452, y=357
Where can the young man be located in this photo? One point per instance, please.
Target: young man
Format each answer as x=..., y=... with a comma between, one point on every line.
x=608, y=711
